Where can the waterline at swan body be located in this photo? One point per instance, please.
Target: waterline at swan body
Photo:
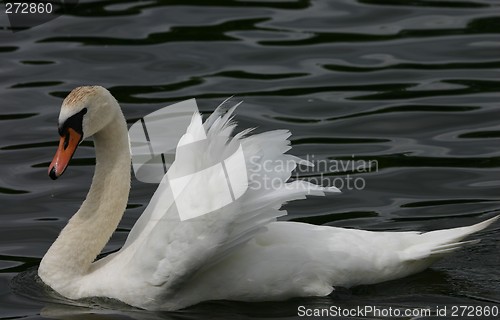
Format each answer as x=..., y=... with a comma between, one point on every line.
x=236, y=252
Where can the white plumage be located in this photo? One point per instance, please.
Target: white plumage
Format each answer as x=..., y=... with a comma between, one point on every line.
x=237, y=252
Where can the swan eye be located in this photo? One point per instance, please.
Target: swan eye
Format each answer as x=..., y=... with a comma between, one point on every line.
x=74, y=122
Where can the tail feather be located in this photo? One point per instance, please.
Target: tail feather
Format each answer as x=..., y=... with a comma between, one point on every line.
x=435, y=244
x=447, y=248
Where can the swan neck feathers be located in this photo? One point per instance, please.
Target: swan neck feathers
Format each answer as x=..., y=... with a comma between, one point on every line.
x=90, y=228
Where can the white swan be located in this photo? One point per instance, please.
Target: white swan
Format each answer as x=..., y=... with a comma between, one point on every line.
x=238, y=252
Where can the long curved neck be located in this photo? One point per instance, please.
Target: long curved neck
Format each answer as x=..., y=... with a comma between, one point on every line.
x=90, y=228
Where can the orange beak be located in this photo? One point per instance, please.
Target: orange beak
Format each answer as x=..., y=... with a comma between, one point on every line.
x=67, y=147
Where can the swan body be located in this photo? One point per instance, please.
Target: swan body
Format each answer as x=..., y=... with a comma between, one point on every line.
x=236, y=252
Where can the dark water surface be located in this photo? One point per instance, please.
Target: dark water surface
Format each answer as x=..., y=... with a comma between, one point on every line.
x=413, y=85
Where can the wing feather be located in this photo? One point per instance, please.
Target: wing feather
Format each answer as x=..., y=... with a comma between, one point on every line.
x=174, y=249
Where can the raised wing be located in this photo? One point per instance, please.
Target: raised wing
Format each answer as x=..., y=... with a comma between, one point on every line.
x=218, y=193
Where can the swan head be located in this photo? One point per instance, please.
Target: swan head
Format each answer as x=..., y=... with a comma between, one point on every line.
x=84, y=112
